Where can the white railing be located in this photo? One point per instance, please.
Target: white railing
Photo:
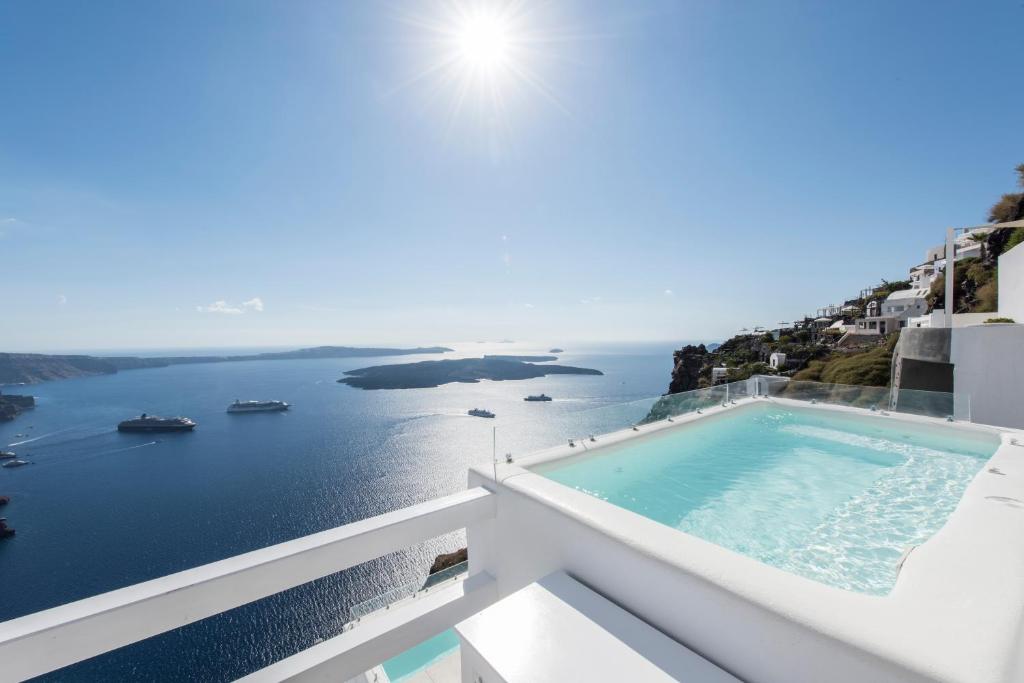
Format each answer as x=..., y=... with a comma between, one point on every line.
x=45, y=641
x=384, y=634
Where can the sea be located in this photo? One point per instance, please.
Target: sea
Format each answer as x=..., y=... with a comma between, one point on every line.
x=99, y=510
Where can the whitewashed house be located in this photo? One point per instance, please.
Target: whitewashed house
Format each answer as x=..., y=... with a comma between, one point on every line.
x=777, y=361
x=893, y=313
x=905, y=303
x=922, y=276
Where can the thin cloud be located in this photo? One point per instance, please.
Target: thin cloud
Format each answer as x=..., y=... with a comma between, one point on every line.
x=222, y=307
x=668, y=292
x=590, y=300
x=528, y=306
x=253, y=304
x=61, y=300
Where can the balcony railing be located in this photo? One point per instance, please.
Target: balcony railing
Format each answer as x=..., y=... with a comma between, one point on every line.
x=45, y=641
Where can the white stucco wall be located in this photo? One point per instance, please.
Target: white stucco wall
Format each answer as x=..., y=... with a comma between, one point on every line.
x=988, y=366
x=937, y=318
x=1011, y=284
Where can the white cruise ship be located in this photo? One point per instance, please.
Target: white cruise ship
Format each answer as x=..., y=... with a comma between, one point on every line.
x=257, y=406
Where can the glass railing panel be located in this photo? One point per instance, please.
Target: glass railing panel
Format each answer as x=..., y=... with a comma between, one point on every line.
x=559, y=426
x=929, y=403
x=406, y=591
x=838, y=394
x=583, y=427
x=909, y=401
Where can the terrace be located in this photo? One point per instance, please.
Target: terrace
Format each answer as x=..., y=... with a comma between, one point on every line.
x=562, y=550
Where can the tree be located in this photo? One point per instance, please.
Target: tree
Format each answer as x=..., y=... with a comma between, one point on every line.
x=1011, y=206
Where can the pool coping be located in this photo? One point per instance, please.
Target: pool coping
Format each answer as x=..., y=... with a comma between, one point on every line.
x=956, y=612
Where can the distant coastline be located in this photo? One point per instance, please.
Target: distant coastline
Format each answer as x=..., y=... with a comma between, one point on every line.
x=32, y=368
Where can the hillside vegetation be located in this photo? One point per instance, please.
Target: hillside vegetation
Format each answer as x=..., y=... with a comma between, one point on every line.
x=815, y=354
x=869, y=368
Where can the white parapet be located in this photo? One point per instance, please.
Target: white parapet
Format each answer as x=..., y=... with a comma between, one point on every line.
x=383, y=635
x=954, y=615
x=45, y=641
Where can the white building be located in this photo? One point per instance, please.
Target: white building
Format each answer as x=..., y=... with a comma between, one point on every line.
x=905, y=303
x=981, y=360
x=719, y=375
x=777, y=361
x=922, y=276
x=968, y=244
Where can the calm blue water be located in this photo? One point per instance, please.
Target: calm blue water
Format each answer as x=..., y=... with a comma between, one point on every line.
x=101, y=510
x=832, y=498
x=420, y=657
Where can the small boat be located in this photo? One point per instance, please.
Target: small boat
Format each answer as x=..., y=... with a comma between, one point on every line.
x=257, y=406
x=5, y=455
x=16, y=463
x=541, y=397
x=480, y=412
x=152, y=423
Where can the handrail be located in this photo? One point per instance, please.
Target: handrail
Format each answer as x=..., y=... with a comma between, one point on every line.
x=383, y=635
x=45, y=641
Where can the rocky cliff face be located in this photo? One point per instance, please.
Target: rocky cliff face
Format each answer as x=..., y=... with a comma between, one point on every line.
x=686, y=370
x=30, y=368
x=446, y=560
x=12, y=405
x=745, y=355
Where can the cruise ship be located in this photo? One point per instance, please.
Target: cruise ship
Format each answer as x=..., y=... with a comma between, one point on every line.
x=480, y=412
x=541, y=397
x=257, y=406
x=152, y=423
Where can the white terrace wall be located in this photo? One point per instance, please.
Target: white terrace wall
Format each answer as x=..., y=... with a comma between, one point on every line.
x=528, y=540
x=988, y=359
x=1011, y=284
x=988, y=365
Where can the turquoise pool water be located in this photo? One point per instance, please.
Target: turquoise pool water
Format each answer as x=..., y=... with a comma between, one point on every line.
x=420, y=657
x=831, y=497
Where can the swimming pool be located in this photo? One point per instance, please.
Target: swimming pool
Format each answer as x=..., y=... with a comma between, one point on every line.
x=417, y=658
x=833, y=497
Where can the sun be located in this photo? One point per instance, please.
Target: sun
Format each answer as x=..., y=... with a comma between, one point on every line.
x=489, y=59
x=483, y=39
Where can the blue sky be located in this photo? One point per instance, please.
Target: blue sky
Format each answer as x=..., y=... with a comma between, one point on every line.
x=676, y=170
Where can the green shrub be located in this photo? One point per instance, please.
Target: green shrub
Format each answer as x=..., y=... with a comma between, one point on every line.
x=869, y=368
x=1016, y=237
x=999, y=320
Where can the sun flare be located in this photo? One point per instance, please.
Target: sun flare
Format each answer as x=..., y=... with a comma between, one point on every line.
x=483, y=40
x=490, y=59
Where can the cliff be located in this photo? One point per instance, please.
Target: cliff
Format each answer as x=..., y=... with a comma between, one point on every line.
x=744, y=355
x=688, y=364
x=446, y=560
x=12, y=405
x=29, y=368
